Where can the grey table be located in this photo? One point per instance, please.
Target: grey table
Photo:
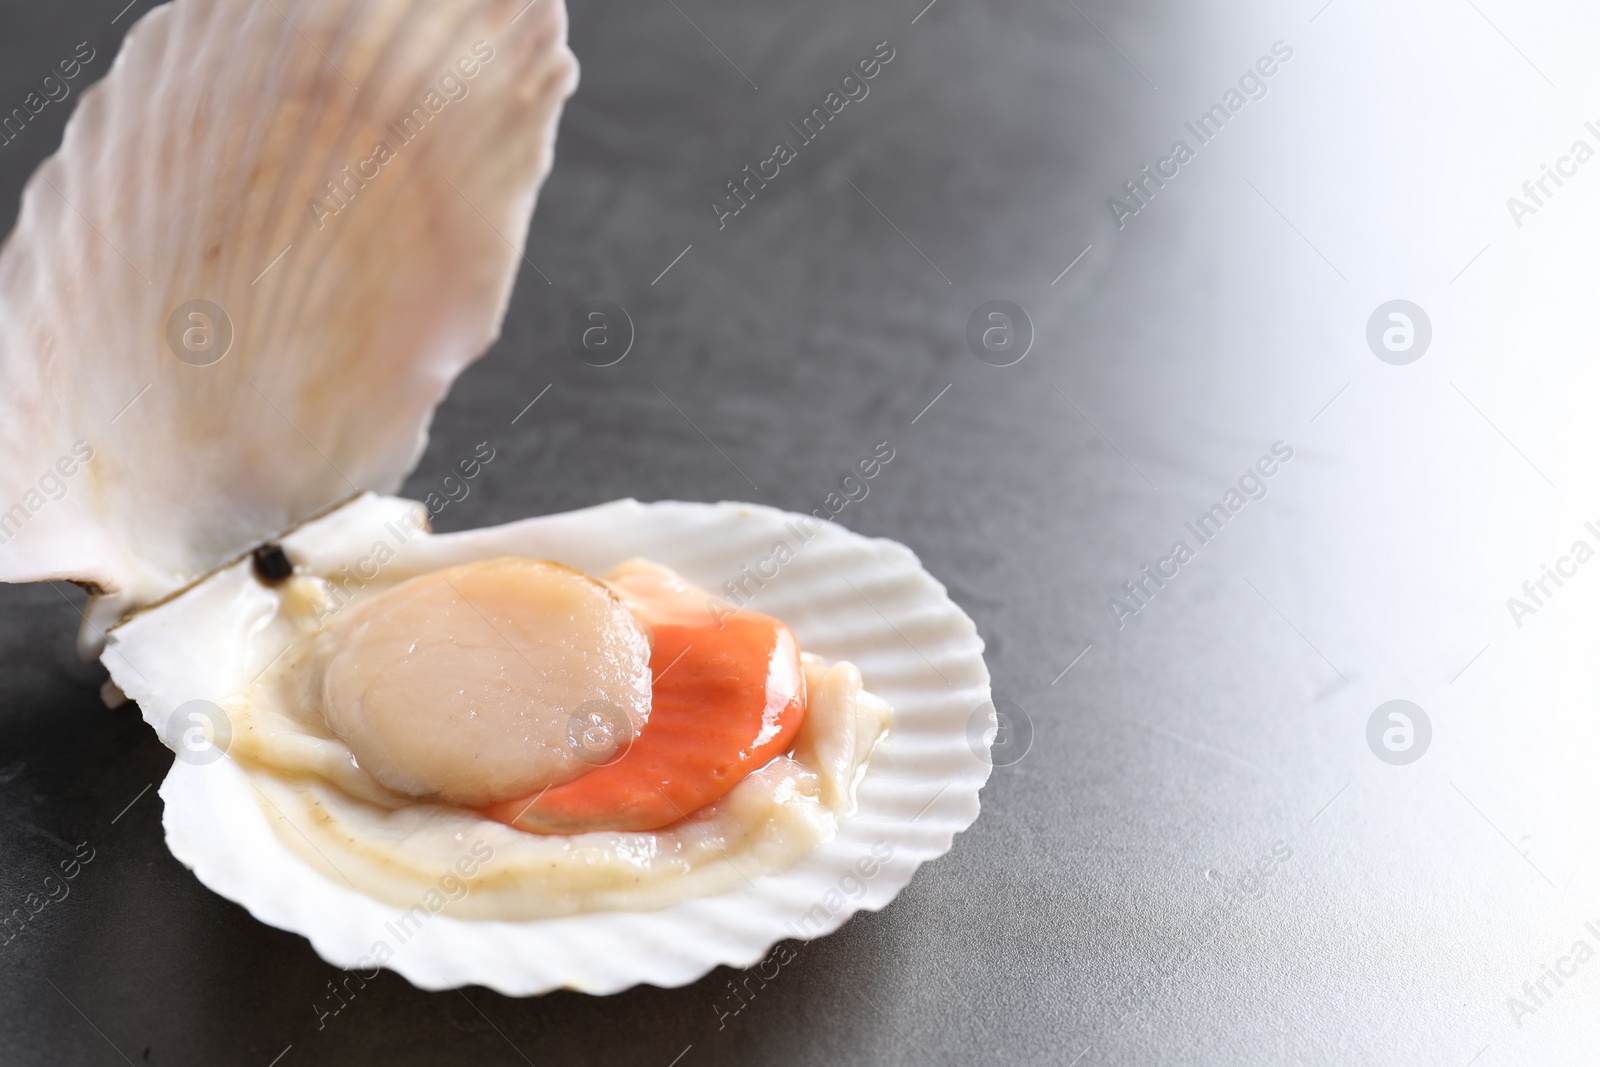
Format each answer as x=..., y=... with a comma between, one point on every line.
x=1194, y=853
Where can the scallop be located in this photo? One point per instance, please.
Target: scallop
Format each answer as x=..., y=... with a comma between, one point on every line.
x=272, y=237
x=465, y=683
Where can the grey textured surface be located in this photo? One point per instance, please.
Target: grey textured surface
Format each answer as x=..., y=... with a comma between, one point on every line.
x=1103, y=910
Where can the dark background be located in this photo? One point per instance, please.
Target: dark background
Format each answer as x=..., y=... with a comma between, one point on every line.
x=1175, y=755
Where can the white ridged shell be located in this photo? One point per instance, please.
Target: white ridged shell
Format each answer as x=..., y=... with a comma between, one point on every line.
x=185, y=175
x=846, y=596
x=188, y=174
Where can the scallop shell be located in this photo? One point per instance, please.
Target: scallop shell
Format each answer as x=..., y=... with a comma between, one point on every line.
x=224, y=310
x=846, y=596
x=193, y=173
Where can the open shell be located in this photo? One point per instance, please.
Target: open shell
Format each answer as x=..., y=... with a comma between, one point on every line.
x=846, y=596
x=204, y=176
